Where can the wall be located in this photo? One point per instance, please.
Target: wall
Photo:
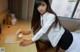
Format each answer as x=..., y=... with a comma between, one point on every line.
x=31, y=7
x=3, y=5
x=27, y=9
x=24, y=9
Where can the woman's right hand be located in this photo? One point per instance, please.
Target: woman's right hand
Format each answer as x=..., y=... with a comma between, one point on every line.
x=25, y=32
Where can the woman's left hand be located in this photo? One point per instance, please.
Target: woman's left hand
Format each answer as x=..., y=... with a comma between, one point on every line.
x=25, y=42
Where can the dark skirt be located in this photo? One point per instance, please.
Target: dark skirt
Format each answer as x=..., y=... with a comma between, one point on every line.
x=66, y=40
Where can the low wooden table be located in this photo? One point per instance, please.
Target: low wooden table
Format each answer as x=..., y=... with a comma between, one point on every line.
x=9, y=41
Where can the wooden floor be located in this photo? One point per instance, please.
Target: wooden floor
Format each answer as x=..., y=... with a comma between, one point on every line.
x=10, y=41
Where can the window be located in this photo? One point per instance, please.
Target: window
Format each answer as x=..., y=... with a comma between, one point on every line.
x=65, y=8
x=77, y=12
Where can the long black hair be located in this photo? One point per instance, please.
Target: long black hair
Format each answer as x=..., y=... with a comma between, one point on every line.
x=35, y=24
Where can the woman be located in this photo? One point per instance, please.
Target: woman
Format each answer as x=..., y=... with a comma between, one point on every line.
x=46, y=26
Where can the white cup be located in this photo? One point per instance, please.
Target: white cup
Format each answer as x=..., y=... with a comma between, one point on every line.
x=20, y=35
x=12, y=15
x=13, y=21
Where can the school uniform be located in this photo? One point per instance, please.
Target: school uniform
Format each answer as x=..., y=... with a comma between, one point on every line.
x=56, y=35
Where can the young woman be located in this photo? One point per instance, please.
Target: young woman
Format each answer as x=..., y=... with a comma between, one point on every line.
x=46, y=26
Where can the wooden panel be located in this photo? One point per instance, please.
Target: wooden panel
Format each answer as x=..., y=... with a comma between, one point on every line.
x=3, y=6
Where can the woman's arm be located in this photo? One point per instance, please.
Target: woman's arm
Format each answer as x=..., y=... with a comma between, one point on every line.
x=44, y=29
x=25, y=42
x=25, y=32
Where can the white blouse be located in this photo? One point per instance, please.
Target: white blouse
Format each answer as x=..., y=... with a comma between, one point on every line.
x=48, y=32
